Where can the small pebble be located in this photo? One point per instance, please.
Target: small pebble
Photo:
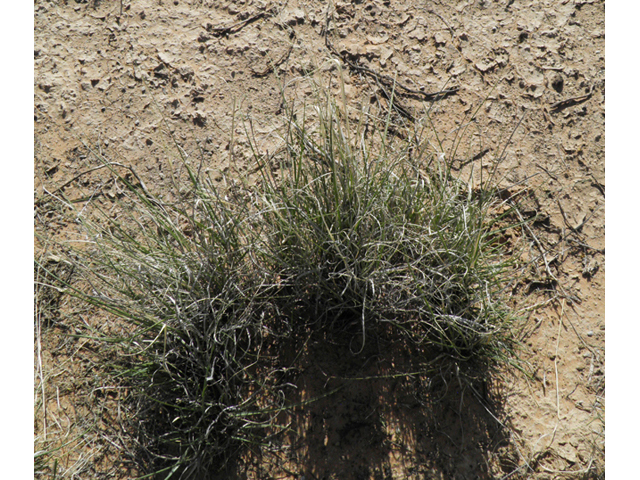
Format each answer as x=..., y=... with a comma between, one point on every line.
x=590, y=333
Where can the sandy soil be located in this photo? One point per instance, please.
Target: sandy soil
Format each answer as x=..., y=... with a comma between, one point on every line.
x=110, y=81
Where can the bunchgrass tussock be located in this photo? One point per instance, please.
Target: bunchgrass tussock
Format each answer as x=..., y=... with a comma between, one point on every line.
x=363, y=232
x=349, y=231
x=180, y=276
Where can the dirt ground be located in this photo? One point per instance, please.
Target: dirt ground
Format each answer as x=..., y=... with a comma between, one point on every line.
x=115, y=80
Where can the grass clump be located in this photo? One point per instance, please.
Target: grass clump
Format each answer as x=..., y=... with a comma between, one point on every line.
x=347, y=233
x=368, y=236
x=180, y=276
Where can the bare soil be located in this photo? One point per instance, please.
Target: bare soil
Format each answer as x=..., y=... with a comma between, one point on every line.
x=115, y=81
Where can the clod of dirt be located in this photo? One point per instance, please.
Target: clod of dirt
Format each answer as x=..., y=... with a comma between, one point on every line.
x=199, y=118
x=419, y=34
x=556, y=81
x=166, y=58
x=294, y=17
x=485, y=65
x=457, y=70
x=385, y=55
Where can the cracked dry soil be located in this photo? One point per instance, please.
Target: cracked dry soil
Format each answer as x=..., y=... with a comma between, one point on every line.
x=110, y=79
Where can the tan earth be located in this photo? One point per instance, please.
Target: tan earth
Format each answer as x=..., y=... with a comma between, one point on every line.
x=113, y=76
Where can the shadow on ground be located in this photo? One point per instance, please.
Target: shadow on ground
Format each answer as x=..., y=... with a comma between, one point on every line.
x=382, y=413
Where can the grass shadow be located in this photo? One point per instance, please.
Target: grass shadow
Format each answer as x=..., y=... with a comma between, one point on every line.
x=389, y=411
